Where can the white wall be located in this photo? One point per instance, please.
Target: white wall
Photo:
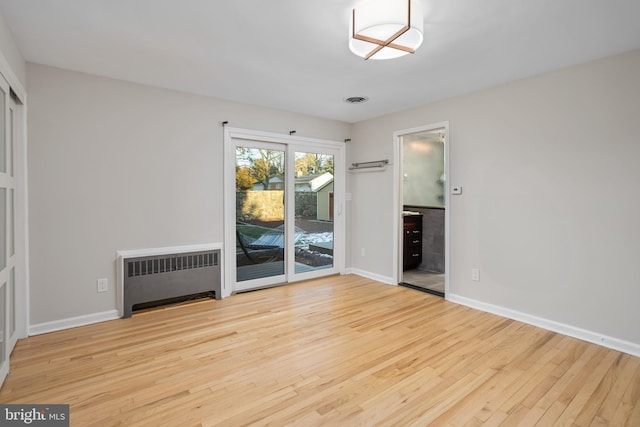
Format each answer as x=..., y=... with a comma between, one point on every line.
x=117, y=166
x=11, y=54
x=548, y=165
x=551, y=203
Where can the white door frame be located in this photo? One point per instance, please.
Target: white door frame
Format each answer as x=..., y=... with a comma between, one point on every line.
x=293, y=143
x=397, y=197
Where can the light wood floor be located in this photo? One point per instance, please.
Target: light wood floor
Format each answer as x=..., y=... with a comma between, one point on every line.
x=343, y=351
x=424, y=279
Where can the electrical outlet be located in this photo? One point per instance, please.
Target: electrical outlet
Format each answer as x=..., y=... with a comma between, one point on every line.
x=363, y=252
x=103, y=285
x=475, y=274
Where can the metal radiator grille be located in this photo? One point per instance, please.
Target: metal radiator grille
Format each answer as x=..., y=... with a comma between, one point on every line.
x=171, y=263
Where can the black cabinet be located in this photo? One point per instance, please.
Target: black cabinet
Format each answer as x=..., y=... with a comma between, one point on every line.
x=412, y=247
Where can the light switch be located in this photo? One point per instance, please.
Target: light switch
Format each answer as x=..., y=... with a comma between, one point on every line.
x=456, y=190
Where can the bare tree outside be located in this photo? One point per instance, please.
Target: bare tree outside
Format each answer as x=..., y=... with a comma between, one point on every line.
x=262, y=165
x=313, y=163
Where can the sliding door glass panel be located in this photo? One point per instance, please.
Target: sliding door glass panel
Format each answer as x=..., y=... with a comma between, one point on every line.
x=3, y=228
x=12, y=212
x=3, y=133
x=12, y=305
x=12, y=130
x=3, y=341
x=314, y=211
x=260, y=226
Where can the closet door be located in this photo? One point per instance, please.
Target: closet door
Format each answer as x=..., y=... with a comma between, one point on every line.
x=7, y=186
x=12, y=296
x=16, y=305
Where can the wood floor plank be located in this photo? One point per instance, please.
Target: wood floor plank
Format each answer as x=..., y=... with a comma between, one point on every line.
x=342, y=350
x=624, y=413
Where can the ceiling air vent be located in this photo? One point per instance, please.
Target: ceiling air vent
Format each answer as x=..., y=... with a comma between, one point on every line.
x=356, y=99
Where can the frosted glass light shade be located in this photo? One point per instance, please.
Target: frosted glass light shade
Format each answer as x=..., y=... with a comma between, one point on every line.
x=375, y=23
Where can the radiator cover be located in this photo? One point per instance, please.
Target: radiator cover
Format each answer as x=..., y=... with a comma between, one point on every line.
x=159, y=277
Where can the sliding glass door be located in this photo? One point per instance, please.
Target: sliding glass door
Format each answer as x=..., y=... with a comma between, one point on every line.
x=259, y=214
x=283, y=204
x=314, y=206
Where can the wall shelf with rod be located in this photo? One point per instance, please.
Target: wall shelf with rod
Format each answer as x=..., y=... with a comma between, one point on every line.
x=377, y=164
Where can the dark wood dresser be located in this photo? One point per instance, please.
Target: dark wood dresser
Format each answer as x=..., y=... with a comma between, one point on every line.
x=412, y=247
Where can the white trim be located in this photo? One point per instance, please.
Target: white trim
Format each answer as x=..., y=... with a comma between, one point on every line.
x=397, y=197
x=73, y=322
x=372, y=276
x=135, y=253
x=278, y=138
x=551, y=325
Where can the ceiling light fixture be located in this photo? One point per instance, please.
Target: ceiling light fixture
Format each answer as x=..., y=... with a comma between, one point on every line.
x=386, y=29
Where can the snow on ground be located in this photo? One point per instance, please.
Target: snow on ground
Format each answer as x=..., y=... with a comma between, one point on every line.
x=308, y=238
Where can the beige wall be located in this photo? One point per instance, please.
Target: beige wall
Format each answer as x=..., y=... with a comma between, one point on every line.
x=550, y=205
x=114, y=166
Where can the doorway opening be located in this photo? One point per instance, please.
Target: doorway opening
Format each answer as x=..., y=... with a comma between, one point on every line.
x=423, y=208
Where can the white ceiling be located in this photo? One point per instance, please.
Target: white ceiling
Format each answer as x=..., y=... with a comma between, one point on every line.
x=293, y=54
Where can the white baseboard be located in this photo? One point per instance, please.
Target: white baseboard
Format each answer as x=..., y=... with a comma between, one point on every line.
x=569, y=330
x=372, y=276
x=72, y=322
